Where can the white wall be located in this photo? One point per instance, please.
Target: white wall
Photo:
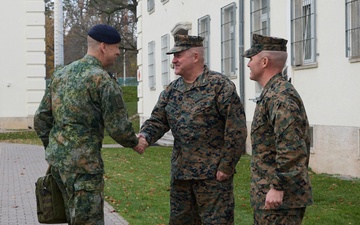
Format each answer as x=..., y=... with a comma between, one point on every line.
x=23, y=61
x=330, y=89
x=154, y=25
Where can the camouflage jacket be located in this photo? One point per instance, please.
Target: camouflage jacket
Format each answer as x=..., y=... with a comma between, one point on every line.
x=79, y=102
x=280, y=137
x=207, y=121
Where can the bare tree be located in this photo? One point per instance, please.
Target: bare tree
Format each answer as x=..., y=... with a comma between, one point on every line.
x=81, y=15
x=49, y=38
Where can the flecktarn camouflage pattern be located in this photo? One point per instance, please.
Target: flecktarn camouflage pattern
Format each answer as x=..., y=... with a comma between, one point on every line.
x=79, y=102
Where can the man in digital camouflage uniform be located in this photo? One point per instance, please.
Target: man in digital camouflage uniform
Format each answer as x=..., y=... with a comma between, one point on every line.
x=280, y=135
x=206, y=117
x=81, y=100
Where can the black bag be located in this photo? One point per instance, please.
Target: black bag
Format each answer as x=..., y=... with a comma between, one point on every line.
x=49, y=201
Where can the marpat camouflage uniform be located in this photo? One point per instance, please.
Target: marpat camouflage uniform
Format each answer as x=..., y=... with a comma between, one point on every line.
x=79, y=102
x=280, y=135
x=208, y=123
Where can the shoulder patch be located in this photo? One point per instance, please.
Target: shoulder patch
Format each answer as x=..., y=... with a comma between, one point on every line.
x=117, y=101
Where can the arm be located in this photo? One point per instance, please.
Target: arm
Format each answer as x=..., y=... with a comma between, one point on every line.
x=235, y=132
x=290, y=124
x=43, y=118
x=115, y=115
x=157, y=125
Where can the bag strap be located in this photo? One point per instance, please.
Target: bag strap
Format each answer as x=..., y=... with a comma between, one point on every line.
x=48, y=171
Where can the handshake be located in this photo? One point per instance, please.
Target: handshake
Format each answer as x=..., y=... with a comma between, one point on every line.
x=142, y=145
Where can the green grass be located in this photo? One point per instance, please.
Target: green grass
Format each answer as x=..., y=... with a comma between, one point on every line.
x=129, y=93
x=138, y=188
x=138, y=185
x=20, y=136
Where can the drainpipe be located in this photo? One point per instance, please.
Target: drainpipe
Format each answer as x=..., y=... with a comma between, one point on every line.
x=241, y=50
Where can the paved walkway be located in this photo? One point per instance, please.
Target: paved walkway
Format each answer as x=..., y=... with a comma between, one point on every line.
x=20, y=166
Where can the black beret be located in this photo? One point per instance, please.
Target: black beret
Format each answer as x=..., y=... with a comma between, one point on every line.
x=105, y=33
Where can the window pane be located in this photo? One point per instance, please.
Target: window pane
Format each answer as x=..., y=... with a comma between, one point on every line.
x=303, y=32
x=204, y=31
x=228, y=40
x=151, y=64
x=260, y=17
x=352, y=28
x=165, y=62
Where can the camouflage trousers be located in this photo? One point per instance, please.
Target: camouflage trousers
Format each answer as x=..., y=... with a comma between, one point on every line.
x=196, y=202
x=279, y=216
x=83, y=196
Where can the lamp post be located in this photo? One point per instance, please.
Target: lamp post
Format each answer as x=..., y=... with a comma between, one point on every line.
x=58, y=34
x=124, y=61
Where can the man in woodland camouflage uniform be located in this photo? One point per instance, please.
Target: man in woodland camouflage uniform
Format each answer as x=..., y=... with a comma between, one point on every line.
x=207, y=120
x=81, y=100
x=280, y=135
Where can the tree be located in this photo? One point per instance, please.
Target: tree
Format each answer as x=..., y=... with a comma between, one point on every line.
x=49, y=38
x=81, y=15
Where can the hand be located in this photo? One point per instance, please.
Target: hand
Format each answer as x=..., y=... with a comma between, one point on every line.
x=142, y=145
x=274, y=198
x=220, y=176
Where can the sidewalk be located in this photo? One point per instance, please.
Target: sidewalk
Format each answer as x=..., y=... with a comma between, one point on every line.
x=20, y=166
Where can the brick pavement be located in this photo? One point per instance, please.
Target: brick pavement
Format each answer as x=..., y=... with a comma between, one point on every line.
x=20, y=166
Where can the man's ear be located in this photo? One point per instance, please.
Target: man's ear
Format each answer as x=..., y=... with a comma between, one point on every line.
x=102, y=47
x=196, y=56
x=265, y=61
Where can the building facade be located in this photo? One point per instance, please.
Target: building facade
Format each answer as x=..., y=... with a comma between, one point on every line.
x=22, y=58
x=323, y=63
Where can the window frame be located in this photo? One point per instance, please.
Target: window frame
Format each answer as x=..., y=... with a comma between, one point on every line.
x=352, y=30
x=151, y=65
x=204, y=31
x=150, y=6
x=258, y=21
x=165, y=60
x=228, y=40
x=256, y=25
x=303, y=32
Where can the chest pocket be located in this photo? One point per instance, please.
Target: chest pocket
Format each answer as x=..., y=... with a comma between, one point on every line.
x=261, y=121
x=173, y=112
x=205, y=113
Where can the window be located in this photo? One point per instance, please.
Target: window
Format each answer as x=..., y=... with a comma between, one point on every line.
x=352, y=28
x=150, y=5
x=260, y=24
x=260, y=18
x=303, y=32
x=228, y=47
x=151, y=65
x=165, y=62
x=204, y=31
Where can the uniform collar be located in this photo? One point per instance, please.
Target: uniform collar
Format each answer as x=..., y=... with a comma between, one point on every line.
x=268, y=85
x=92, y=60
x=201, y=80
